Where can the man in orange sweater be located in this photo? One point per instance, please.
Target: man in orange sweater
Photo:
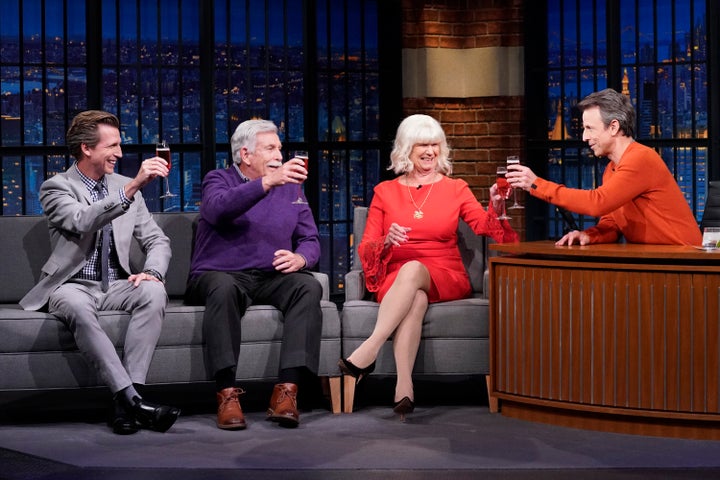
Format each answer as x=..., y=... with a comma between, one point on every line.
x=638, y=198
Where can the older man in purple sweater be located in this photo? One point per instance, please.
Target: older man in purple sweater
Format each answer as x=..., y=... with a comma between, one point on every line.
x=253, y=245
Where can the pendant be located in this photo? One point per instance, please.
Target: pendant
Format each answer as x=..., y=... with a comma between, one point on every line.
x=418, y=214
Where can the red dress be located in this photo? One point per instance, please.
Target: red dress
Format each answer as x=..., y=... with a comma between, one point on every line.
x=432, y=238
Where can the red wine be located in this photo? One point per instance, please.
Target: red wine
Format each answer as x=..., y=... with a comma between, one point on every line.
x=503, y=185
x=164, y=153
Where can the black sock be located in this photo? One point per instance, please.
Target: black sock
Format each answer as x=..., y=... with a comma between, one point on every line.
x=225, y=378
x=128, y=395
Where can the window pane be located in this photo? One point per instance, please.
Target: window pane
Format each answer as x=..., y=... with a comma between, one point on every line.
x=191, y=181
x=32, y=110
x=191, y=106
x=12, y=185
x=110, y=34
x=295, y=103
x=294, y=33
x=322, y=38
x=10, y=33
x=570, y=41
x=372, y=107
x=554, y=52
x=77, y=90
x=54, y=37
x=128, y=41
x=34, y=176
x=647, y=104
x=370, y=20
x=337, y=35
x=10, y=106
x=323, y=114
x=32, y=33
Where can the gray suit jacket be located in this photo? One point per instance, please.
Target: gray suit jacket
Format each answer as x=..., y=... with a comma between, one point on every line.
x=74, y=220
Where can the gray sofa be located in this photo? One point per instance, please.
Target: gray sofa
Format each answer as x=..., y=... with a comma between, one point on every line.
x=38, y=354
x=455, y=335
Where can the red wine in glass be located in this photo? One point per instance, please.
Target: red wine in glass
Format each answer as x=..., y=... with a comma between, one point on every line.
x=302, y=155
x=503, y=190
x=514, y=160
x=162, y=150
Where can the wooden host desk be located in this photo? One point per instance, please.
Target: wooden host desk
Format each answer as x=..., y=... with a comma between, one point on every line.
x=615, y=337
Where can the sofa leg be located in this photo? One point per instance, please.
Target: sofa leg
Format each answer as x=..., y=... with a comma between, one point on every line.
x=348, y=393
x=336, y=393
x=492, y=400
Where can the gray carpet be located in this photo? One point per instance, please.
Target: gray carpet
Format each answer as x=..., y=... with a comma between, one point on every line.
x=436, y=442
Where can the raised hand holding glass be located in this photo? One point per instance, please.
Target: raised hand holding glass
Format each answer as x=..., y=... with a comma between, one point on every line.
x=302, y=155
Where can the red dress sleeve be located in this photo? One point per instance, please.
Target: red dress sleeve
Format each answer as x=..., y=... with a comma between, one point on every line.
x=484, y=222
x=374, y=257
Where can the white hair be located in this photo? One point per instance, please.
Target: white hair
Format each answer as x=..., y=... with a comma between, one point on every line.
x=246, y=136
x=418, y=129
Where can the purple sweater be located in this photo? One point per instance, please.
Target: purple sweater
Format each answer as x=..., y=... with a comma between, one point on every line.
x=241, y=226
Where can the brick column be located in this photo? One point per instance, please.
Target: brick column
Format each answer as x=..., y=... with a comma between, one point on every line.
x=463, y=65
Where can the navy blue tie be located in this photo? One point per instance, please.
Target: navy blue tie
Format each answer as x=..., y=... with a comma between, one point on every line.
x=104, y=246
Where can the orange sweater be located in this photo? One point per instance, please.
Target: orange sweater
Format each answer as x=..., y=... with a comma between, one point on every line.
x=639, y=199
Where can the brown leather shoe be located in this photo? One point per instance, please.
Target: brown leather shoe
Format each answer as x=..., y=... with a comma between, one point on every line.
x=283, y=405
x=230, y=415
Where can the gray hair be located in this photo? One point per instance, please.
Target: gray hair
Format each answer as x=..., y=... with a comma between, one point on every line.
x=418, y=129
x=613, y=106
x=246, y=136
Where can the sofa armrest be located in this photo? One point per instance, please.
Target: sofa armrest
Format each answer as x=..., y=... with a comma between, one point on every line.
x=324, y=282
x=355, y=285
x=486, y=284
x=486, y=274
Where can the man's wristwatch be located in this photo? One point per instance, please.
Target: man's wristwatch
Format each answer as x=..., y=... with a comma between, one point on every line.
x=154, y=273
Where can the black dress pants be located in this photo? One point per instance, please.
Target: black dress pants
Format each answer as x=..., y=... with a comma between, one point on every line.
x=227, y=295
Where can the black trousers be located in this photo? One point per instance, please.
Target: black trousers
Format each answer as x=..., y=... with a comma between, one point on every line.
x=226, y=296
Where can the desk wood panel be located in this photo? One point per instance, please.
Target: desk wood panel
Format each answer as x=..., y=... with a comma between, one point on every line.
x=608, y=337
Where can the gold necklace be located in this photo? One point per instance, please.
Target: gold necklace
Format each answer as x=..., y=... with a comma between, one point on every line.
x=418, y=214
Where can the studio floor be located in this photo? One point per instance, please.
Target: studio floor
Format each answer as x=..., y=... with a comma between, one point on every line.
x=439, y=441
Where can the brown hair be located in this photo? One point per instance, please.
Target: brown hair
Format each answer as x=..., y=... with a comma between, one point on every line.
x=83, y=130
x=613, y=106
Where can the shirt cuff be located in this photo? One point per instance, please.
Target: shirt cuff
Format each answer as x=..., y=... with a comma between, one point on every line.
x=126, y=202
x=306, y=262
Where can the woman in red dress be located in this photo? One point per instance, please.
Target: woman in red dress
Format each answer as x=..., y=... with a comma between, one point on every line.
x=409, y=249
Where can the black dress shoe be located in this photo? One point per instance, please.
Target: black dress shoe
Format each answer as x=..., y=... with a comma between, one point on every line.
x=121, y=421
x=154, y=417
x=348, y=368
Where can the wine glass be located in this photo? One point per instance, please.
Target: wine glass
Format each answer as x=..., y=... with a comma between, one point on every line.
x=302, y=155
x=503, y=190
x=514, y=160
x=162, y=150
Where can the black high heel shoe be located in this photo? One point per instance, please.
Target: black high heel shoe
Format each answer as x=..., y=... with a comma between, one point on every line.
x=347, y=367
x=403, y=407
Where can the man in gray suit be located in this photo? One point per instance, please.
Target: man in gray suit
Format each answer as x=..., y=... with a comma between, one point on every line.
x=93, y=216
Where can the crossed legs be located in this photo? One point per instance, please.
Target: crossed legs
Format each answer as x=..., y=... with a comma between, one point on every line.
x=401, y=312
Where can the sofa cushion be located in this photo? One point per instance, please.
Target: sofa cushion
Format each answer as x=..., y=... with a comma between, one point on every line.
x=179, y=228
x=26, y=246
